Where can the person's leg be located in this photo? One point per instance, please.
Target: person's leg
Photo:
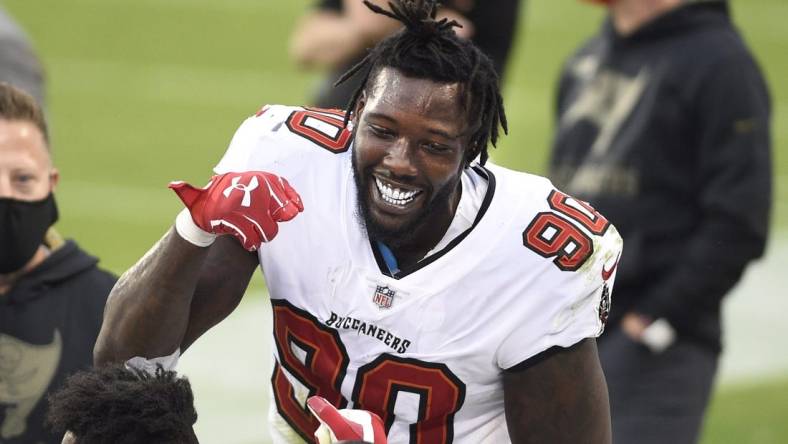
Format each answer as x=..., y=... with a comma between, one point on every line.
x=656, y=398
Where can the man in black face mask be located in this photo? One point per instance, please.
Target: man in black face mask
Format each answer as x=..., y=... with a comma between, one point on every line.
x=51, y=293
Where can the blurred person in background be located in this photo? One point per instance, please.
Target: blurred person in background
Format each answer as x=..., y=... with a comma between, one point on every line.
x=19, y=65
x=336, y=34
x=52, y=294
x=663, y=125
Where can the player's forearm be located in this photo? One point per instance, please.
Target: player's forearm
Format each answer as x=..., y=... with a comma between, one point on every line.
x=147, y=312
x=197, y=273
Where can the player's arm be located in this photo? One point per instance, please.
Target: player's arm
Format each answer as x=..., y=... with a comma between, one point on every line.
x=558, y=396
x=171, y=296
x=194, y=277
x=223, y=280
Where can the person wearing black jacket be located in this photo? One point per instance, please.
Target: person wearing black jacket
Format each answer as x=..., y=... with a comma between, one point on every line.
x=663, y=126
x=52, y=294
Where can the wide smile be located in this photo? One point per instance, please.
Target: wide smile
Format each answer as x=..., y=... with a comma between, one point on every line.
x=395, y=195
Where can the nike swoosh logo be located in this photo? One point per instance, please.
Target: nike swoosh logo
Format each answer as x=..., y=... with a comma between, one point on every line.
x=607, y=273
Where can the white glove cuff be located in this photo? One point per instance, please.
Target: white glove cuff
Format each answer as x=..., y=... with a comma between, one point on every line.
x=149, y=365
x=190, y=232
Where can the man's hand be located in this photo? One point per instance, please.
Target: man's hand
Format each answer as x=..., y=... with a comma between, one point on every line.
x=346, y=424
x=633, y=324
x=247, y=205
x=657, y=335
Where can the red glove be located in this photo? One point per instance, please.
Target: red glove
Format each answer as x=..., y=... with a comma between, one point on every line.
x=346, y=424
x=247, y=205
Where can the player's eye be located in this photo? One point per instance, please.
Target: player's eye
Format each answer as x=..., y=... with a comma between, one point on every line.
x=437, y=147
x=381, y=132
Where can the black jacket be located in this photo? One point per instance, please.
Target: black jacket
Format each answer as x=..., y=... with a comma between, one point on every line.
x=666, y=132
x=49, y=322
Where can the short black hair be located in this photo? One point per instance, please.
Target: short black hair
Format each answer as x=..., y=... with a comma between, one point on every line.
x=115, y=405
x=427, y=48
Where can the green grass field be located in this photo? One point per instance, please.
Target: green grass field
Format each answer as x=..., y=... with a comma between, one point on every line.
x=144, y=92
x=749, y=414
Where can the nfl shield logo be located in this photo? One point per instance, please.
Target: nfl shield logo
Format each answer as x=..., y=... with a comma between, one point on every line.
x=383, y=296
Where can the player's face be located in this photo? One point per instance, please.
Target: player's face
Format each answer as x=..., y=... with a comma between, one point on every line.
x=411, y=137
x=26, y=171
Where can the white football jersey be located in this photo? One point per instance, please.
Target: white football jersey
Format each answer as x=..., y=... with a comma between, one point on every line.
x=423, y=348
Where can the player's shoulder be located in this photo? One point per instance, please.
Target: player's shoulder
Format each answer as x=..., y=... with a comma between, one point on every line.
x=529, y=191
x=564, y=255
x=558, y=231
x=278, y=134
x=304, y=127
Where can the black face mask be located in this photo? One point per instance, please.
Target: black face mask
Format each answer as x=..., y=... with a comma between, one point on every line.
x=22, y=229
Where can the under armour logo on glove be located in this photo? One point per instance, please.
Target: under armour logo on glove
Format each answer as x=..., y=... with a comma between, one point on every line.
x=346, y=424
x=247, y=205
x=247, y=189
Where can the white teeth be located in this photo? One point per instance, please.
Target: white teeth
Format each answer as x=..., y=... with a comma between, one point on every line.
x=394, y=196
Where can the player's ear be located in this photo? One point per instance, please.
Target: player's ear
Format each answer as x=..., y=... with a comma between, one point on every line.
x=359, y=108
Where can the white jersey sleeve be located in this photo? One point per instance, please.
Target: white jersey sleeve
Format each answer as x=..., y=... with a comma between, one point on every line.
x=567, y=278
x=280, y=138
x=246, y=145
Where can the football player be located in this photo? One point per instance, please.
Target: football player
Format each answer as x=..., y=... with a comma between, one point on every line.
x=456, y=300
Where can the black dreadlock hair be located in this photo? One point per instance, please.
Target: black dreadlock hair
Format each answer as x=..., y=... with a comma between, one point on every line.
x=114, y=405
x=429, y=49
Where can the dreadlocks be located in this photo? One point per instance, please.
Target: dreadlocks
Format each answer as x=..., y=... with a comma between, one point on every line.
x=115, y=405
x=428, y=48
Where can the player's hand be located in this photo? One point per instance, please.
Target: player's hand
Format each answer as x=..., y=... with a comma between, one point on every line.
x=247, y=205
x=346, y=424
